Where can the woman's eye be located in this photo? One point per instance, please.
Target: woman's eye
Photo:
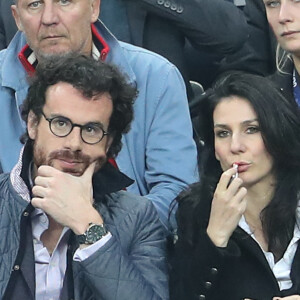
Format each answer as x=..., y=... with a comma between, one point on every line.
x=252, y=129
x=222, y=133
x=272, y=4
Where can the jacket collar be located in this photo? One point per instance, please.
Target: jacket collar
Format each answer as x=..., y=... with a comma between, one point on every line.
x=284, y=79
x=107, y=180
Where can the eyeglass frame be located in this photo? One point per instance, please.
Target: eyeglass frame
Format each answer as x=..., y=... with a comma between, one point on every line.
x=74, y=125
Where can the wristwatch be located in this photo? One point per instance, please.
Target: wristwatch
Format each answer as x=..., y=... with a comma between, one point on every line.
x=93, y=234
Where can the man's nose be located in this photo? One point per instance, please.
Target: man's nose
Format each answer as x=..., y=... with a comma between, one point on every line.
x=50, y=13
x=73, y=140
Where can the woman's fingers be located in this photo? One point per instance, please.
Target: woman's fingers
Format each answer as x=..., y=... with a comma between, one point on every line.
x=225, y=179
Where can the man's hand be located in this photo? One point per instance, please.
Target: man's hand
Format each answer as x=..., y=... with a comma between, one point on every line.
x=228, y=205
x=67, y=199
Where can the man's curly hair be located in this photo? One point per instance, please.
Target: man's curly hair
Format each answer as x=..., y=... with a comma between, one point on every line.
x=91, y=78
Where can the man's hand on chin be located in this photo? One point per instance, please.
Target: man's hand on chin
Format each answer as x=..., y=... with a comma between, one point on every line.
x=67, y=199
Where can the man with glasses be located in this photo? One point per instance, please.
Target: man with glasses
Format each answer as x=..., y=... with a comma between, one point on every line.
x=158, y=153
x=71, y=231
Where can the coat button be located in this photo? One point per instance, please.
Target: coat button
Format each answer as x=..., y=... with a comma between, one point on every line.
x=160, y=2
x=180, y=9
x=214, y=271
x=16, y=268
x=167, y=4
x=26, y=214
x=208, y=285
x=173, y=6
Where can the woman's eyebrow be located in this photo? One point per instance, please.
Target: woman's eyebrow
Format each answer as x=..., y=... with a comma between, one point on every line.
x=250, y=121
x=244, y=123
x=220, y=125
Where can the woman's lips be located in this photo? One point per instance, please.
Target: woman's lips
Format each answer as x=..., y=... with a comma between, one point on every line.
x=242, y=166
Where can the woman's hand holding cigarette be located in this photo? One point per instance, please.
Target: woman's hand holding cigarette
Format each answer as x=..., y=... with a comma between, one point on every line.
x=228, y=205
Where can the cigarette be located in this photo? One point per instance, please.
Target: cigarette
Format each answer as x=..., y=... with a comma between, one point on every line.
x=236, y=175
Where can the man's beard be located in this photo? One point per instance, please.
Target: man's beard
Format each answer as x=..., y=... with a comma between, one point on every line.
x=48, y=57
x=43, y=56
x=40, y=159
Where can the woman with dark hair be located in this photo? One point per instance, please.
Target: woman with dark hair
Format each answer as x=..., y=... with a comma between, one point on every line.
x=238, y=229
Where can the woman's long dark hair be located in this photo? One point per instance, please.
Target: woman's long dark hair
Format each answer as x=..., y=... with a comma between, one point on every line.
x=279, y=121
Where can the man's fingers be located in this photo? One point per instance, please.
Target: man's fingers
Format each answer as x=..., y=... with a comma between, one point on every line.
x=39, y=191
x=88, y=173
x=46, y=171
x=37, y=202
x=41, y=181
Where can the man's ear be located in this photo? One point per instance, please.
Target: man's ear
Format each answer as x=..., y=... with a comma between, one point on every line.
x=15, y=13
x=95, y=7
x=110, y=139
x=32, y=124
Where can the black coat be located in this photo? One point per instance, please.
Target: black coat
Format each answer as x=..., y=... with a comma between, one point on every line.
x=239, y=271
x=8, y=26
x=167, y=27
x=256, y=56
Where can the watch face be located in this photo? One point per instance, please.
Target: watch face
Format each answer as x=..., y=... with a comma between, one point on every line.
x=95, y=233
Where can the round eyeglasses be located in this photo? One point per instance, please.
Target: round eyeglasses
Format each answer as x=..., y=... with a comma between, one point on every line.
x=91, y=133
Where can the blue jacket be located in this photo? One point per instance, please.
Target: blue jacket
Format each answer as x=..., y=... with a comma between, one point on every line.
x=158, y=153
x=132, y=263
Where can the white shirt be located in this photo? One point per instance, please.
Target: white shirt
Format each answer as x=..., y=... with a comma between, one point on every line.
x=50, y=269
